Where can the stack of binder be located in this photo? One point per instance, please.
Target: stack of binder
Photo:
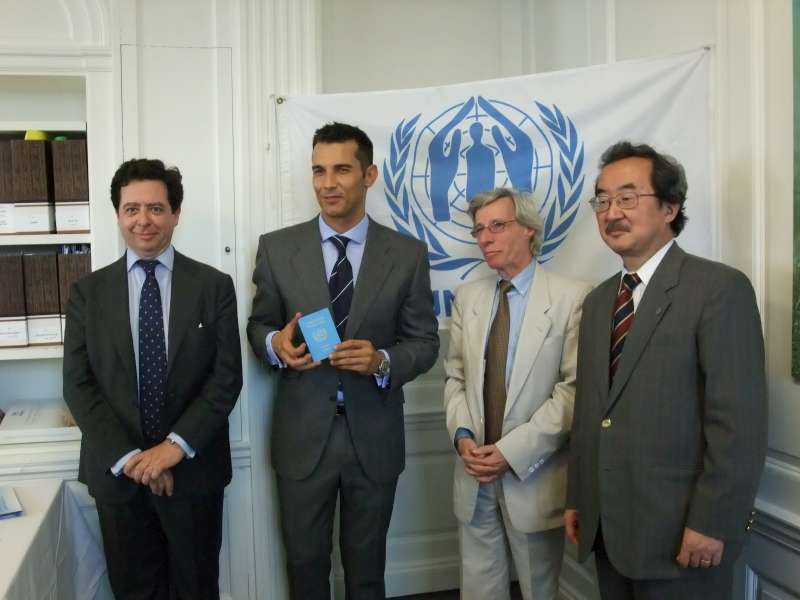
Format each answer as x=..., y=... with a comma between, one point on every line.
x=73, y=263
x=13, y=324
x=32, y=186
x=44, y=186
x=40, y=269
x=70, y=186
x=34, y=291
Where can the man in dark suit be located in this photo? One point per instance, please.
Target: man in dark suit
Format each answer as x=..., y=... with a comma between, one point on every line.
x=338, y=424
x=152, y=368
x=669, y=434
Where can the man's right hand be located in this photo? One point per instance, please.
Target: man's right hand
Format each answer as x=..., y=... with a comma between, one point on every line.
x=571, y=525
x=295, y=357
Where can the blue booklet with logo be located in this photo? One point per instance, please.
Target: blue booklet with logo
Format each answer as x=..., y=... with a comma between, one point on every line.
x=320, y=333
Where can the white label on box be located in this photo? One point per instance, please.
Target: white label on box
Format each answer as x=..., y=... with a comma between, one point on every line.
x=44, y=329
x=72, y=216
x=7, y=218
x=13, y=332
x=35, y=217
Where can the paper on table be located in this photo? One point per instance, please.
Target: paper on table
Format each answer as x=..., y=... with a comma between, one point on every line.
x=9, y=503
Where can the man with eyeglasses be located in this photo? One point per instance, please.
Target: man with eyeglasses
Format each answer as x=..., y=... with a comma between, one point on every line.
x=669, y=435
x=508, y=401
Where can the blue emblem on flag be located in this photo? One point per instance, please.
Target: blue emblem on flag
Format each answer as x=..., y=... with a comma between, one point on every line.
x=434, y=168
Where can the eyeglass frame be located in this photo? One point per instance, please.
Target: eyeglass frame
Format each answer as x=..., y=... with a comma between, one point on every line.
x=493, y=227
x=617, y=199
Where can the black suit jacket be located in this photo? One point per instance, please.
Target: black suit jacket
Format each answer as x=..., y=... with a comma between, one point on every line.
x=204, y=376
x=392, y=307
x=680, y=437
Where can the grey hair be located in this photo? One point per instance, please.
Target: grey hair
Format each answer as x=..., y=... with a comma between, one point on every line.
x=524, y=211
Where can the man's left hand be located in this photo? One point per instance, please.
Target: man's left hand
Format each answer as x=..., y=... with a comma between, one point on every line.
x=359, y=356
x=150, y=464
x=488, y=463
x=698, y=550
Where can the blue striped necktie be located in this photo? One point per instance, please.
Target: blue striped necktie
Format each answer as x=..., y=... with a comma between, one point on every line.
x=340, y=285
x=152, y=355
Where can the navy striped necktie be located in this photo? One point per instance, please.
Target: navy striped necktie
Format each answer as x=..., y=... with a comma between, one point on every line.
x=340, y=285
x=152, y=354
x=623, y=319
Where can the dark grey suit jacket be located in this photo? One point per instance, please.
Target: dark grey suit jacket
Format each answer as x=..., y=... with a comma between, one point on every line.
x=204, y=376
x=687, y=409
x=392, y=307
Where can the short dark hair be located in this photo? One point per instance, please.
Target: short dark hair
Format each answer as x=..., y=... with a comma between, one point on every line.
x=336, y=133
x=148, y=169
x=668, y=177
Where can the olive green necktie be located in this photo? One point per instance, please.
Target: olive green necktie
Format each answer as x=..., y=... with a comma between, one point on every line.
x=494, y=380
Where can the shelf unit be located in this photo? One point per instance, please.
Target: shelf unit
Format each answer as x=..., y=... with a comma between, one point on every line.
x=32, y=352
x=17, y=129
x=44, y=239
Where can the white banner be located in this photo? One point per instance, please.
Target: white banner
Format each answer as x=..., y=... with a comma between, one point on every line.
x=436, y=147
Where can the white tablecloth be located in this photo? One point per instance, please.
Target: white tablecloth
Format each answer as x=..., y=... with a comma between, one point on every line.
x=49, y=552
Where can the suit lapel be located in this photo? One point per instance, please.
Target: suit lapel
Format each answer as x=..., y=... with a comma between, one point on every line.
x=604, y=308
x=481, y=313
x=117, y=312
x=186, y=290
x=309, y=265
x=652, y=307
x=376, y=265
x=535, y=326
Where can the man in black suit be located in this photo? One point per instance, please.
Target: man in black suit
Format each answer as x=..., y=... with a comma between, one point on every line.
x=338, y=425
x=152, y=368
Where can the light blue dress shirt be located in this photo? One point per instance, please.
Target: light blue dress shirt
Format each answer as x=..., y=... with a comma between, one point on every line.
x=330, y=253
x=136, y=278
x=517, y=301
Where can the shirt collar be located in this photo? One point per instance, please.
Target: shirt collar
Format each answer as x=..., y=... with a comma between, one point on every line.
x=166, y=258
x=357, y=234
x=648, y=269
x=522, y=280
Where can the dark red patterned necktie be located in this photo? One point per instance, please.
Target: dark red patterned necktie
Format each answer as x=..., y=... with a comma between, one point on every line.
x=623, y=318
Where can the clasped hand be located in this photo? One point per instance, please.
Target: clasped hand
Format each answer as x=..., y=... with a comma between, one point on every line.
x=152, y=467
x=484, y=463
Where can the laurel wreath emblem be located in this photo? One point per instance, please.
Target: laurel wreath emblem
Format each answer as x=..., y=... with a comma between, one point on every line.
x=558, y=213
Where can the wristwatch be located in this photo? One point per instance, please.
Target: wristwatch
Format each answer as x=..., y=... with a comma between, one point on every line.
x=383, y=367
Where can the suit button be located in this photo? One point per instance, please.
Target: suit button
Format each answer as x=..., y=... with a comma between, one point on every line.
x=605, y=423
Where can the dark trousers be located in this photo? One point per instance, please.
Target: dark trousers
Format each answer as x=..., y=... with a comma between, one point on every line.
x=160, y=548
x=714, y=583
x=307, y=513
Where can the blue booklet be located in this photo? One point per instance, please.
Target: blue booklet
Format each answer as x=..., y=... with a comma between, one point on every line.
x=320, y=333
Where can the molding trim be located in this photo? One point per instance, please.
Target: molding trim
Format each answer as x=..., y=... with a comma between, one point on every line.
x=759, y=151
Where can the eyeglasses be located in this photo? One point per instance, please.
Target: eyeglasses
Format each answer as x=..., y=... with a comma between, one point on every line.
x=493, y=227
x=625, y=200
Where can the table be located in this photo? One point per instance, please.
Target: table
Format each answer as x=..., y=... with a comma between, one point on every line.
x=49, y=552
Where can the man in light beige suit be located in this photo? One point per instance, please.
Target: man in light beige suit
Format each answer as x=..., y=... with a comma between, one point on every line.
x=508, y=401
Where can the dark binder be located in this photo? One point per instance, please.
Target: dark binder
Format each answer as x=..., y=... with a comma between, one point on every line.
x=6, y=185
x=71, y=267
x=41, y=283
x=12, y=287
x=70, y=173
x=31, y=175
